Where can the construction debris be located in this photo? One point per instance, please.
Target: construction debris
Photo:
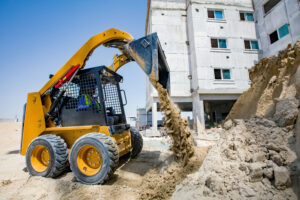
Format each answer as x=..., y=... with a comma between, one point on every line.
x=256, y=157
x=252, y=159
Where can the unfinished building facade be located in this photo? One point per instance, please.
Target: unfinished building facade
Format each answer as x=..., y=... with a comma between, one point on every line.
x=274, y=32
x=209, y=45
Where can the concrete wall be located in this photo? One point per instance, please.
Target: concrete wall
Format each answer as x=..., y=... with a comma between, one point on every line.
x=286, y=11
x=235, y=57
x=168, y=19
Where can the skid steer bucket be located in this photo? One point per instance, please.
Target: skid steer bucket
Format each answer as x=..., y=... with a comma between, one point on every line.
x=147, y=52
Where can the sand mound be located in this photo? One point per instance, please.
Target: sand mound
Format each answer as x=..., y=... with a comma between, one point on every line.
x=273, y=89
x=255, y=157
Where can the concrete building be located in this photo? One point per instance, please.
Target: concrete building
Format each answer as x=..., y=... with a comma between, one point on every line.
x=209, y=45
x=277, y=24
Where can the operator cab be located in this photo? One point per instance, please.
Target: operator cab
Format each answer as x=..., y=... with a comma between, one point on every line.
x=93, y=98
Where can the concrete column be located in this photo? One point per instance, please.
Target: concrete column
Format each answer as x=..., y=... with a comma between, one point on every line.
x=201, y=108
x=198, y=114
x=154, y=116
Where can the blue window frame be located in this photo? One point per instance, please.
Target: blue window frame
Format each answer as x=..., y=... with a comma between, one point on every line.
x=218, y=43
x=226, y=74
x=249, y=17
x=222, y=74
x=251, y=44
x=254, y=44
x=283, y=30
x=218, y=14
x=279, y=33
x=215, y=14
x=222, y=43
x=244, y=16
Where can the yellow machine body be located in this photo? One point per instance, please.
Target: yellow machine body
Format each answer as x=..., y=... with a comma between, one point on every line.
x=39, y=103
x=146, y=51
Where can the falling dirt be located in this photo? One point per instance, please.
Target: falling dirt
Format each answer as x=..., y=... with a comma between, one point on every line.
x=183, y=145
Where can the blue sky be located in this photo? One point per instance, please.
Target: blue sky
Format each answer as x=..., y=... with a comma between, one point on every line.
x=38, y=37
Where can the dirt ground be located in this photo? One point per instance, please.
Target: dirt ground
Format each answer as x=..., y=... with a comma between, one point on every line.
x=132, y=180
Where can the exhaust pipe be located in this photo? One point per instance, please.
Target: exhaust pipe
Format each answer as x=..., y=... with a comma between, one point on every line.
x=147, y=52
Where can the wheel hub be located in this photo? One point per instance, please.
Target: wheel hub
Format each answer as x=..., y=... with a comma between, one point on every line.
x=40, y=158
x=89, y=160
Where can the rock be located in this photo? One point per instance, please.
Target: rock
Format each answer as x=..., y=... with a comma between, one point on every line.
x=259, y=157
x=286, y=112
x=246, y=191
x=266, y=183
x=282, y=178
x=214, y=183
x=277, y=159
x=265, y=122
x=268, y=172
x=256, y=172
x=272, y=146
x=243, y=167
x=228, y=124
x=206, y=192
x=230, y=154
x=270, y=163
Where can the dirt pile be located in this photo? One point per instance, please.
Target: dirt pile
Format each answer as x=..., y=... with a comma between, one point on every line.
x=253, y=159
x=273, y=89
x=177, y=127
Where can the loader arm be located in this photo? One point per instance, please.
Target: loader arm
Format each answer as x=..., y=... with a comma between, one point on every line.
x=81, y=56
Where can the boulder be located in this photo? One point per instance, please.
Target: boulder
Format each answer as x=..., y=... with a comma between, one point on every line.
x=228, y=124
x=246, y=191
x=214, y=183
x=268, y=172
x=259, y=157
x=256, y=172
x=282, y=178
x=286, y=112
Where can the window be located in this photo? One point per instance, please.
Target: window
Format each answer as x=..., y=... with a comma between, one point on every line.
x=218, y=43
x=283, y=31
x=215, y=14
x=279, y=33
x=273, y=37
x=251, y=44
x=244, y=16
x=222, y=74
x=269, y=5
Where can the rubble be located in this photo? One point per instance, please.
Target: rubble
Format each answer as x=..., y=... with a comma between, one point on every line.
x=255, y=157
x=228, y=175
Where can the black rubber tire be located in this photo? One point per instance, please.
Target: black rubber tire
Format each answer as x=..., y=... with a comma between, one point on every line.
x=136, y=141
x=58, y=153
x=109, y=153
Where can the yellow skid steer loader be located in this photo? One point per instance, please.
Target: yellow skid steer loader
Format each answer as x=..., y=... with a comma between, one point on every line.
x=77, y=119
